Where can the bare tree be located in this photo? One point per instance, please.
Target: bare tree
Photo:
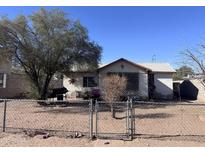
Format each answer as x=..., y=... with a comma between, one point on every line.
x=195, y=59
x=114, y=87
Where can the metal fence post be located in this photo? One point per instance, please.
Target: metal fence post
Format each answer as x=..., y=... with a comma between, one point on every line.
x=91, y=119
x=130, y=124
x=96, y=116
x=131, y=120
x=182, y=119
x=127, y=119
x=4, y=118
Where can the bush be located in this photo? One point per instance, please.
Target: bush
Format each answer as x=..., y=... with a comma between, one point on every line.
x=95, y=93
x=114, y=89
x=87, y=95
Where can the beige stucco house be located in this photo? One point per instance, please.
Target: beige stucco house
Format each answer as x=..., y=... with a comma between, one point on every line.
x=15, y=84
x=145, y=80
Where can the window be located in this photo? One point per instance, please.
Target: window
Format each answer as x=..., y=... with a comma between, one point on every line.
x=132, y=79
x=89, y=82
x=2, y=80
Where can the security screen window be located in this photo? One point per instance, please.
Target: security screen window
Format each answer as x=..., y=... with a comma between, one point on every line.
x=89, y=81
x=132, y=79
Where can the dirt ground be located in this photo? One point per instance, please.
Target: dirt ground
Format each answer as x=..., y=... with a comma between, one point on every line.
x=155, y=125
x=21, y=140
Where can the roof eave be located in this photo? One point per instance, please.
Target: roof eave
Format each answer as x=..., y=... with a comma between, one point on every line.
x=164, y=71
x=122, y=59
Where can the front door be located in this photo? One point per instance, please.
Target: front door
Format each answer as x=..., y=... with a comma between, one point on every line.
x=151, y=86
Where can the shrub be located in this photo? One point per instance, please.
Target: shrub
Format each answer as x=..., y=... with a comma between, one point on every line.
x=114, y=88
x=87, y=95
x=95, y=93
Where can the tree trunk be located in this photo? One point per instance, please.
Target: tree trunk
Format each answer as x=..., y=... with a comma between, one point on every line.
x=44, y=91
x=43, y=96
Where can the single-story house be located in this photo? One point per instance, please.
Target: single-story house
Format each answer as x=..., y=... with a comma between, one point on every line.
x=145, y=80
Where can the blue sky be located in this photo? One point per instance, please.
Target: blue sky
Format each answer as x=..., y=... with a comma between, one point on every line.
x=136, y=33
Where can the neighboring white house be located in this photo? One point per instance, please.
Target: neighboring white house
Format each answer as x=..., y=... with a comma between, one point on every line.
x=145, y=80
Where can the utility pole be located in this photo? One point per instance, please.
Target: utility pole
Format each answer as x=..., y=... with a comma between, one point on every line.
x=154, y=58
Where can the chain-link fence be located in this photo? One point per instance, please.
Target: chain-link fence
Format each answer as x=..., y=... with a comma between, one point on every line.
x=118, y=120
x=87, y=118
x=67, y=117
x=170, y=119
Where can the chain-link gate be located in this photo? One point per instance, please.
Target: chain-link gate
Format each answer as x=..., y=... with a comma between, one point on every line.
x=112, y=120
